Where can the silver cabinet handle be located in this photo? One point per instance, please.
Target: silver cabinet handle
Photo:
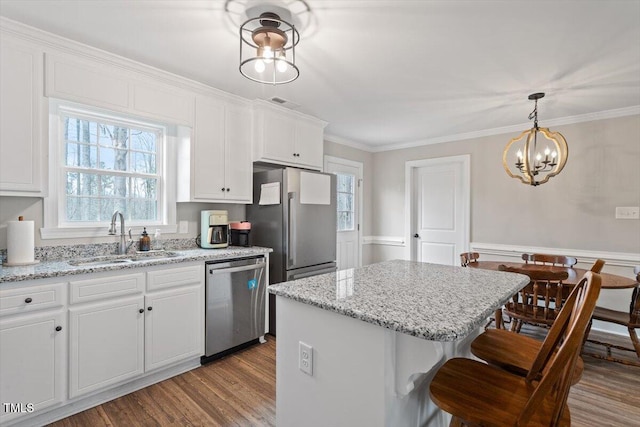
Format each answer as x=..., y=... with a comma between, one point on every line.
x=236, y=269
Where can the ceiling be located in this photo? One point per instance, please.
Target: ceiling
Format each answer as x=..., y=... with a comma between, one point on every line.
x=388, y=74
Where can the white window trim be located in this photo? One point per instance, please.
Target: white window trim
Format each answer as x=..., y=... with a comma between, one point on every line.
x=52, y=227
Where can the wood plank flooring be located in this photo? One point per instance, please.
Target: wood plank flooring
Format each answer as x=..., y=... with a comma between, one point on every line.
x=239, y=390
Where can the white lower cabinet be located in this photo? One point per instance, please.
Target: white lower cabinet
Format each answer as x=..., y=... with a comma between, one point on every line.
x=65, y=346
x=32, y=363
x=105, y=344
x=172, y=326
x=119, y=338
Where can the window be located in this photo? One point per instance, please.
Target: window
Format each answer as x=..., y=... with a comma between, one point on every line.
x=101, y=163
x=346, y=202
x=110, y=166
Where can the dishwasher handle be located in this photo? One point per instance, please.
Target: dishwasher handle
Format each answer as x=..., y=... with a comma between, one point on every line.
x=236, y=269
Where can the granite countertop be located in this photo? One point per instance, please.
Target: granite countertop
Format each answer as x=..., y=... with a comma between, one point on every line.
x=61, y=267
x=430, y=301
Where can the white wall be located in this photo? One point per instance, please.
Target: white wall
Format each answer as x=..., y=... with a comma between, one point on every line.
x=573, y=210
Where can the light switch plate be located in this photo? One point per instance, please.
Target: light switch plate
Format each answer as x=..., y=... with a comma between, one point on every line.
x=629, y=212
x=183, y=227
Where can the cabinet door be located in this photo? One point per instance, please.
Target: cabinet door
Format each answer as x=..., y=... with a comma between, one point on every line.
x=208, y=150
x=32, y=362
x=174, y=326
x=238, y=168
x=310, y=144
x=106, y=344
x=279, y=133
x=21, y=86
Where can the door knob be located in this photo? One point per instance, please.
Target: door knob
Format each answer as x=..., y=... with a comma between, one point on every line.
x=28, y=300
x=58, y=328
x=141, y=310
x=149, y=308
x=416, y=235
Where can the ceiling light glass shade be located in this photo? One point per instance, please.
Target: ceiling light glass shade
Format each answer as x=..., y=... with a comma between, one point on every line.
x=537, y=154
x=264, y=42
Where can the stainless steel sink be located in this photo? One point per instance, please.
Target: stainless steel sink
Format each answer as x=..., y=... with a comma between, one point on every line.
x=121, y=259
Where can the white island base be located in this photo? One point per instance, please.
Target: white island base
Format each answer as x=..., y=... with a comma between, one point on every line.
x=363, y=374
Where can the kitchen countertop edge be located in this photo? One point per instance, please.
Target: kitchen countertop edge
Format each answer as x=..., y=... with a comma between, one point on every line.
x=61, y=267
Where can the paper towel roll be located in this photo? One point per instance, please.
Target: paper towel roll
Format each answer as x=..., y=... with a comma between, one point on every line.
x=20, y=242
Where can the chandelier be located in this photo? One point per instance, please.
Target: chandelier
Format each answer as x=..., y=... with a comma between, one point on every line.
x=268, y=48
x=536, y=159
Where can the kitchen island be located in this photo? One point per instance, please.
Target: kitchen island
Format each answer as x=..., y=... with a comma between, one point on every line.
x=377, y=335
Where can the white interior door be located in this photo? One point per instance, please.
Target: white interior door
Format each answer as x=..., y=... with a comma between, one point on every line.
x=440, y=209
x=349, y=194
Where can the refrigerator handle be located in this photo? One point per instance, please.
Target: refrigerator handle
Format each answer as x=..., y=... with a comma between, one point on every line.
x=292, y=229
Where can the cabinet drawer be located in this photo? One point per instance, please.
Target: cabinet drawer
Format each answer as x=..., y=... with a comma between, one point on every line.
x=106, y=287
x=26, y=300
x=171, y=277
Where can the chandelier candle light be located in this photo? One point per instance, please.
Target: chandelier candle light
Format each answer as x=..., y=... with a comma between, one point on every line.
x=267, y=49
x=536, y=161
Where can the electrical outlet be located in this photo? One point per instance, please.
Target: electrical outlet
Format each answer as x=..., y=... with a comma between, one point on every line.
x=305, y=359
x=632, y=212
x=183, y=227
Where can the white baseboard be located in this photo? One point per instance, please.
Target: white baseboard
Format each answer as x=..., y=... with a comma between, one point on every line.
x=619, y=259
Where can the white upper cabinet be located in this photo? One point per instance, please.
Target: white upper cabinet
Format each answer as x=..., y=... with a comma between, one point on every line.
x=215, y=165
x=102, y=84
x=22, y=151
x=286, y=137
x=238, y=165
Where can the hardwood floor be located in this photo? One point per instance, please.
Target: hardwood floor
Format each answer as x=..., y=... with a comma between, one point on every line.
x=239, y=390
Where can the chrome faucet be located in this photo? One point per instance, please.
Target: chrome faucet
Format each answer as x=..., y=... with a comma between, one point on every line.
x=122, y=247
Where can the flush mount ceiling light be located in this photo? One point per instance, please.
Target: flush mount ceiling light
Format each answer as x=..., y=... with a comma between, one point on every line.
x=268, y=46
x=535, y=160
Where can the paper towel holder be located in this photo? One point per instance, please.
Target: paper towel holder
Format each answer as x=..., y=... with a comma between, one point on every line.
x=6, y=262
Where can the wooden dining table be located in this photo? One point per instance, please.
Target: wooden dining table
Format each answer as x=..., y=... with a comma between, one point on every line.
x=609, y=281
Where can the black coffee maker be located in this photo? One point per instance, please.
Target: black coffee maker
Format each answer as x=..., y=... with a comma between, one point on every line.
x=240, y=233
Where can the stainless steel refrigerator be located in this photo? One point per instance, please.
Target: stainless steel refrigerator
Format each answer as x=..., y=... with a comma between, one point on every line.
x=294, y=212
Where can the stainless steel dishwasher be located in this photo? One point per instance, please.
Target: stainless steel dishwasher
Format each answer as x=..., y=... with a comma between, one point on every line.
x=235, y=311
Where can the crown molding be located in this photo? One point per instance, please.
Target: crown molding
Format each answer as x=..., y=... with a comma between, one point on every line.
x=343, y=141
x=589, y=117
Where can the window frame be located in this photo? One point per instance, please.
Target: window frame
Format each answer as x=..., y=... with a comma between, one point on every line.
x=354, y=185
x=55, y=225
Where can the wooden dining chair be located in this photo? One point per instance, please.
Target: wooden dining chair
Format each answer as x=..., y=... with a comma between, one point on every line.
x=518, y=353
x=630, y=319
x=468, y=257
x=478, y=394
x=545, y=259
x=539, y=302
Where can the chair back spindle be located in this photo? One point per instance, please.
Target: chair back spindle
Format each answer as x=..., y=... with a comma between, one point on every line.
x=546, y=259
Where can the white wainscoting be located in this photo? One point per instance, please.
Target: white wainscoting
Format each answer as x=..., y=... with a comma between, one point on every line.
x=618, y=259
x=384, y=240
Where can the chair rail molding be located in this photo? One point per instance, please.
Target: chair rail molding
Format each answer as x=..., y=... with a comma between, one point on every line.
x=383, y=240
x=619, y=259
